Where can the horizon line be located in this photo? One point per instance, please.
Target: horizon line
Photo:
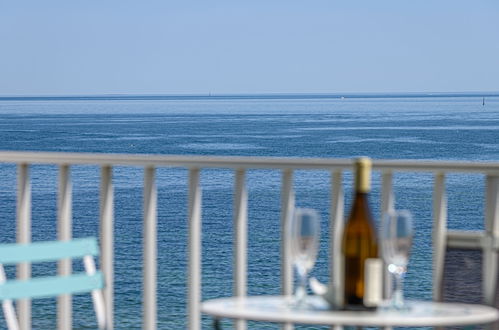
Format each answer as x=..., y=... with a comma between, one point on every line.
x=215, y=96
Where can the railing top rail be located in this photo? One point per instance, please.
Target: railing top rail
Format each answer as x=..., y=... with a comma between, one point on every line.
x=192, y=161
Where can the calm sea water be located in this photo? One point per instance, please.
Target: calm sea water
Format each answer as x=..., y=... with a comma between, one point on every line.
x=389, y=128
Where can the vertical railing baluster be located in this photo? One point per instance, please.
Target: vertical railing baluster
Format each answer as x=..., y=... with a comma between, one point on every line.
x=287, y=207
x=336, y=233
x=241, y=239
x=439, y=233
x=387, y=195
x=150, y=249
x=387, y=205
x=194, y=269
x=24, y=236
x=64, y=233
x=490, y=254
x=107, y=240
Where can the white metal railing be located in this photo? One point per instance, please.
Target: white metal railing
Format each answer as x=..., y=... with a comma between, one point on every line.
x=240, y=165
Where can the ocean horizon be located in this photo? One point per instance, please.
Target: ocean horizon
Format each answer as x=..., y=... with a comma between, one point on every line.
x=246, y=96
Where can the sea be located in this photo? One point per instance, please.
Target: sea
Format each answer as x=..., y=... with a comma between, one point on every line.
x=458, y=127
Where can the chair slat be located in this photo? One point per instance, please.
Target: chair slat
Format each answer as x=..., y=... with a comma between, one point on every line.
x=43, y=287
x=48, y=251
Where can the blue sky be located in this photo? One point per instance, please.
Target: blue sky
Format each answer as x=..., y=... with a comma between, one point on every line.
x=170, y=47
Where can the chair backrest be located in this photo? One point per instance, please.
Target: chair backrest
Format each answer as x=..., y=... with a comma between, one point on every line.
x=466, y=263
x=89, y=281
x=463, y=267
x=469, y=276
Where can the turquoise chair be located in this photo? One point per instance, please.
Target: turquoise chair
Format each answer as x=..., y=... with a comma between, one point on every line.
x=51, y=286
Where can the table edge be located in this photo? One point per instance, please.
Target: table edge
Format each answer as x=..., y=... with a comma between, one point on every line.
x=383, y=321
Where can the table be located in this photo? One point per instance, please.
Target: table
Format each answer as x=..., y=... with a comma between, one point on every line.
x=277, y=309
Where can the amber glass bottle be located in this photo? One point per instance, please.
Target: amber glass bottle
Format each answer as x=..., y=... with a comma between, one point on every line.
x=359, y=240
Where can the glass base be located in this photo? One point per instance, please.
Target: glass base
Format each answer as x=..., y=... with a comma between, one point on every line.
x=360, y=308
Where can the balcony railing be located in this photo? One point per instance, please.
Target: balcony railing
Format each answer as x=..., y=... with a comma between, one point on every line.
x=441, y=236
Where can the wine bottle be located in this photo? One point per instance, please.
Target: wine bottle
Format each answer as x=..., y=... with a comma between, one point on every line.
x=360, y=246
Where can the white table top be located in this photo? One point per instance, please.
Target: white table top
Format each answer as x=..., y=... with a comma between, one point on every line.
x=277, y=309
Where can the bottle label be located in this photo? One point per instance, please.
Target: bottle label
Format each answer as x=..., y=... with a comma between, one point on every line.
x=373, y=282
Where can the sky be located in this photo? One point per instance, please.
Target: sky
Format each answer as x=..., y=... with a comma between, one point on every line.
x=230, y=47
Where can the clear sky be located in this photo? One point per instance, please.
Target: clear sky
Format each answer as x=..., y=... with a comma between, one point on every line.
x=170, y=47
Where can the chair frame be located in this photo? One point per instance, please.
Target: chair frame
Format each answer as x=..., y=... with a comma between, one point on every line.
x=89, y=281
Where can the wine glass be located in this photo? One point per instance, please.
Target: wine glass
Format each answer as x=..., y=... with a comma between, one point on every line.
x=396, y=241
x=304, y=243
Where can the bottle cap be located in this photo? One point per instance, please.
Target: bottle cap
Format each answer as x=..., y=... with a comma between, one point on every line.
x=363, y=174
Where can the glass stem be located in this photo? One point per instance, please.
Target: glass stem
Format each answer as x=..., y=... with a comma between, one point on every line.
x=301, y=290
x=398, y=295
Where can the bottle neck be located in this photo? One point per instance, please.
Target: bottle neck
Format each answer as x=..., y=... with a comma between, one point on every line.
x=362, y=184
x=360, y=206
x=360, y=197
x=363, y=176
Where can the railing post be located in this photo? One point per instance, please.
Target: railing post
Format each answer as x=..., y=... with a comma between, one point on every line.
x=336, y=229
x=439, y=234
x=150, y=249
x=194, y=269
x=107, y=240
x=387, y=205
x=64, y=233
x=24, y=236
x=387, y=196
x=490, y=253
x=241, y=239
x=287, y=207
